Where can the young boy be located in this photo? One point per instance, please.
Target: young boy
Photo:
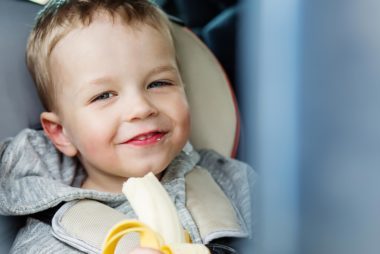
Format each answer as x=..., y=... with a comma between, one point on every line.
x=106, y=73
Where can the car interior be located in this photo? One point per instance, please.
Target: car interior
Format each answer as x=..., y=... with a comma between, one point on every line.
x=202, y=73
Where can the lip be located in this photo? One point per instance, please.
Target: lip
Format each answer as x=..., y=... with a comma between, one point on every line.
x=147, y=138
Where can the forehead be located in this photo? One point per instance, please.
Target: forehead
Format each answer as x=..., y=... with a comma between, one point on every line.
x=110, y=46
x=105, y=32
x=113, y=22
x=60, y=31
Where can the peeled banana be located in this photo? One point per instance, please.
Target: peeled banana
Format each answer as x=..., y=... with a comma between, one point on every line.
x=41, y=2
x=154, y=207
x=159, y=225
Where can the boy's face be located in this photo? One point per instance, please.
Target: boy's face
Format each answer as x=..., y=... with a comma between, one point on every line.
x=121, y=101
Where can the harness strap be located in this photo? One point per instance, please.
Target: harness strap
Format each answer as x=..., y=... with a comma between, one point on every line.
x=84, y=224
x=211, y=210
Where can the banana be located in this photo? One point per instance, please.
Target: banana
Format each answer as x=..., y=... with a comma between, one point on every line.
x=41, y=2
x=154, y=207
x=159, y=225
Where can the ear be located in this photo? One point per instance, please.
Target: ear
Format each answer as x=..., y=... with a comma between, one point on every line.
x=54, y=130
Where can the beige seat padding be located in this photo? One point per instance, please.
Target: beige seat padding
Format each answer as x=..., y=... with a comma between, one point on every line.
x=213, y=108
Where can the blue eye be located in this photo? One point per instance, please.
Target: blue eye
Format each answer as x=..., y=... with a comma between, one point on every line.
x=103, y=96
x=159, y=83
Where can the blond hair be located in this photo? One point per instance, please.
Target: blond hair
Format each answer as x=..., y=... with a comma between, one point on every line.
x=59, y=17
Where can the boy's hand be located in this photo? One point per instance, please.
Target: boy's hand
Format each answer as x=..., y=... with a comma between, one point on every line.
x=145, y=251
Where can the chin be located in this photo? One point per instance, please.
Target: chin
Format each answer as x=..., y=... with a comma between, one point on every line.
x=143, y=172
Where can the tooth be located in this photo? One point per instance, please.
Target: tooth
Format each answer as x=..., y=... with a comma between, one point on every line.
x=141, y=138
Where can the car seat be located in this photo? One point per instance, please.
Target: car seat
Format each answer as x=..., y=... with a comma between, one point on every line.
x=216, y=23
x=215, y=120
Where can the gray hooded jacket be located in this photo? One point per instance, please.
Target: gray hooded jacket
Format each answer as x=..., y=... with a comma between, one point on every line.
x=34, y=177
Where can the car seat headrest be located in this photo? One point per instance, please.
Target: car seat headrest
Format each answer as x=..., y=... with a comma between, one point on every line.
x=215, y=121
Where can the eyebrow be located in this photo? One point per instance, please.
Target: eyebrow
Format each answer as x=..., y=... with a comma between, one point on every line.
x=100, y=80
x=159, y=69
x=165, y=68
x=106, y=79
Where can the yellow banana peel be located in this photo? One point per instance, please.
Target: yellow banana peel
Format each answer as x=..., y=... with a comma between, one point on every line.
x=148, y=238
x=158, y=225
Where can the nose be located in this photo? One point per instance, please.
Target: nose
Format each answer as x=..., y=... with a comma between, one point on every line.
x=139, y=107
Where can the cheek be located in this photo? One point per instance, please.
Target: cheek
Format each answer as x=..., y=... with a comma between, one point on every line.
x=186, y=119
x=182, y=117
x=92, y=134
x=175, y=106
x=180, y=108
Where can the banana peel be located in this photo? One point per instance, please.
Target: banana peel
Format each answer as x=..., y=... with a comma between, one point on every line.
x=159, y=226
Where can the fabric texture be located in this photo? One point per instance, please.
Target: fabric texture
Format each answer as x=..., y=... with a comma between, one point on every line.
x=209, y=206
x=84, y=224
x=34, y=177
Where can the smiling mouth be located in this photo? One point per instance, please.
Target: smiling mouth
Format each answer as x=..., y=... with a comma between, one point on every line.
x=147, y=138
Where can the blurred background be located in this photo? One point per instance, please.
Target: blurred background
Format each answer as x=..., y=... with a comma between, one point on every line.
x=307, y=80
x=309, y=72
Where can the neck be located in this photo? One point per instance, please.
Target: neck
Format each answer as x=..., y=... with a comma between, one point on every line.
x=102, y=186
